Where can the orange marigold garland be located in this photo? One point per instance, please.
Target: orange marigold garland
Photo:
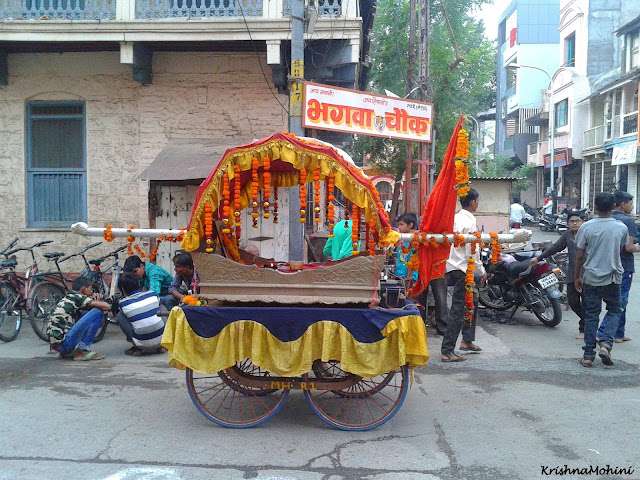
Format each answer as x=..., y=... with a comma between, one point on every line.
x=275, y=204
x=346, y=211
x=236, y=199
x=496, y=248
x=208, y=227
x=266, y=185
x=226, y=209
x=462, y=164
x=371, y=242
x=316, y=194
x=254, y=191
x=130, y=240
x=415, y=260
x=303, y=195
x=355, y=230
x=331, y=209
x=468, y=287
x=107, y=233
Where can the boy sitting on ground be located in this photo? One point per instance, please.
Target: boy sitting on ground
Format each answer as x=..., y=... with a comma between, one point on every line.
x=138, y=319
x=71, y=338
x=186, y=275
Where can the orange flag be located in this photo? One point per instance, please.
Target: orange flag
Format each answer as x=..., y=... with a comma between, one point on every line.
x=438, y=218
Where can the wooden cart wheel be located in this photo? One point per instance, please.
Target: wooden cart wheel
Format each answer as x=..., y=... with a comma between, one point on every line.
x=331, y=370
x=234, y=407
x=366, y=405
x=248, y=367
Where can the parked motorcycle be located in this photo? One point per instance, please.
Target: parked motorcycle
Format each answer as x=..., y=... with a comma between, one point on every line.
x=513, y=283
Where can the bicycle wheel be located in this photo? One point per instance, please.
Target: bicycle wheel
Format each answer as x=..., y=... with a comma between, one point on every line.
x=102, y=330
x=45, y=297
x=237, y=407
x=10, y=313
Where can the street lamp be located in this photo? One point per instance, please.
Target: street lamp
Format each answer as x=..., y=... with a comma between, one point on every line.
x=551, y=125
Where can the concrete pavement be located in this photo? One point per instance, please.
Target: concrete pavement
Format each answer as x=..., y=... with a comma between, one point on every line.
x=524, y=403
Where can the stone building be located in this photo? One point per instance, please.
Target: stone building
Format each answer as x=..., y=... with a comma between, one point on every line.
x=92, y=92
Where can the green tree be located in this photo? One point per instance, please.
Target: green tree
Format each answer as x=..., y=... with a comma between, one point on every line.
x=462, y=72
x=502, y=166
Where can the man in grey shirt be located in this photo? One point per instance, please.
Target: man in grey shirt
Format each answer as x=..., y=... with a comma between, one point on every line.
x=601, y=240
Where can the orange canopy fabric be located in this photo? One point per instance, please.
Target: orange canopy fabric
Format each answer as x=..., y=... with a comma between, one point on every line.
x=438, y=218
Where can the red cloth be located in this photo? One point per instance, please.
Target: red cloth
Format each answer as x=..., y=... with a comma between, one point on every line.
x=438, y=217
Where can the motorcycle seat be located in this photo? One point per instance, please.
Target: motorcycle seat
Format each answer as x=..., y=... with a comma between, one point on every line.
x=517, y=268
x=523, y=256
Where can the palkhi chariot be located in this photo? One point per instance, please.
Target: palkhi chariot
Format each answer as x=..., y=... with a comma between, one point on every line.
x=273, y=326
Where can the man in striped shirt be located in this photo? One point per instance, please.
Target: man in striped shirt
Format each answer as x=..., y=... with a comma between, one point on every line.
x=139, y=320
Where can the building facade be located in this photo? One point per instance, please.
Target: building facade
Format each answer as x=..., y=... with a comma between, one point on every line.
x=93, y=92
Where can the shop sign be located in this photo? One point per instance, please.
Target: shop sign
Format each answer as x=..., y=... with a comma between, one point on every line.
x=624, y=154
x=351, y=111
x=562, y=158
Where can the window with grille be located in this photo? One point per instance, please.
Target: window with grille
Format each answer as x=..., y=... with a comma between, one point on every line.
x=56, y=164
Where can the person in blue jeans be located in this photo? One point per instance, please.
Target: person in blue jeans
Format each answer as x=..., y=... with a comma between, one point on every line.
x=71, y=338
x=623, y=207
x=600, y=276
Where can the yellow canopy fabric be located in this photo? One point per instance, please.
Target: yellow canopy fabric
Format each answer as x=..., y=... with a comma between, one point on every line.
x=296, y=154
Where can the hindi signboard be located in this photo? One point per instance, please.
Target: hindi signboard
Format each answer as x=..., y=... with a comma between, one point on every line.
x=351, y=111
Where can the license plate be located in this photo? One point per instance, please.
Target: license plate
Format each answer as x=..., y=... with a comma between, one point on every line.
x=548, y=280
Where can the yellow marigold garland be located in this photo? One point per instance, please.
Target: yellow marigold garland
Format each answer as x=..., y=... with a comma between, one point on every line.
x=330, y=205
x=316, y=194
x=303, y=195
x=462, y=163
x=266, y=180
x=254, y=191
x=468, y=287
x=208, y=227
x=236, y=200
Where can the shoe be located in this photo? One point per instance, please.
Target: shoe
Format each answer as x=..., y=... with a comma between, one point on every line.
x=469, y=347
x=580, y=336
x=605, y=356
x=623, y=339
x=586, y=362
x=134, y=352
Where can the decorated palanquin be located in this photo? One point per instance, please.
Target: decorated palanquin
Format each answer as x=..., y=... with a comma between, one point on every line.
x=251, y=176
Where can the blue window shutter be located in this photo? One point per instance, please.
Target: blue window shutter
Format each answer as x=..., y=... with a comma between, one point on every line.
x=56, y=164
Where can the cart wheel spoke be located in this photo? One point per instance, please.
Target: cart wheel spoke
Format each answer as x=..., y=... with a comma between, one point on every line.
x=224, y=400
x=366, y=405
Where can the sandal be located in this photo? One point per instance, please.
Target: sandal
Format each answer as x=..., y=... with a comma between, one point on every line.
x=134, y=352
x=586, y=362
x=88, y=356
x=160, y=350
x=469, y=347
x=452, y=357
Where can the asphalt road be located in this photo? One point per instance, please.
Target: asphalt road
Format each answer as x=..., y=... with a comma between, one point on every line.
x=521, y=405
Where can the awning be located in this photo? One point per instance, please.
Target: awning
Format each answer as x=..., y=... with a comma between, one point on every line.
x=624, y=154
x=189, y=158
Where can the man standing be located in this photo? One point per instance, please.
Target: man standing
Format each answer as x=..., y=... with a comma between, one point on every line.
x=464, y=222
x=600, y=240
x=568, y=241
x=623, y=207
x=517, y=213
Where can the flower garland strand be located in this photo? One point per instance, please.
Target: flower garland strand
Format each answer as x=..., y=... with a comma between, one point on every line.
x=415, y=260
x=254, y=191
x=208, y=227
x=462, y=163
x=303, y=195
x=469, y=282
x=236, y=200
x=226, y=209
x=108, y=236
x=130, y=240
x=275, y=204
x=331, y=208
x=347, y=204
x=355, y=229
x=316, y=194
x=266, y=185
x=371, y=242
x=496, y=248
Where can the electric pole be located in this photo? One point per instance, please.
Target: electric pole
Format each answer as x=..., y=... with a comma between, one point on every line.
x=296, y=229
x=410, y=81
x=426, y=95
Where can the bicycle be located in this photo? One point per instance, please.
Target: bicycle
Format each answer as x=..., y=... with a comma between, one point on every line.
x=10, y=307
x=16, y=290
x=50, y=289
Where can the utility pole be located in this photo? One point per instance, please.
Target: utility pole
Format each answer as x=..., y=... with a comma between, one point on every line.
x=424, y=162
x=411, y=62
x=296, y=229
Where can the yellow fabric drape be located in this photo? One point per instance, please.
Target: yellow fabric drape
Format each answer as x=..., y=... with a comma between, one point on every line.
x=404, y=343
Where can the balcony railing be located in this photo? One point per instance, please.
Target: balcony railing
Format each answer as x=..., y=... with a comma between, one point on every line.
x=326, y=8
x=197, y=8
x=58, y=9
x=593, y=138
x=630, y=123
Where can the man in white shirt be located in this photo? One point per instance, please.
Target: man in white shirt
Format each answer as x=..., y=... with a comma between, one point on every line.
x=517, y=212
x=464, y=222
